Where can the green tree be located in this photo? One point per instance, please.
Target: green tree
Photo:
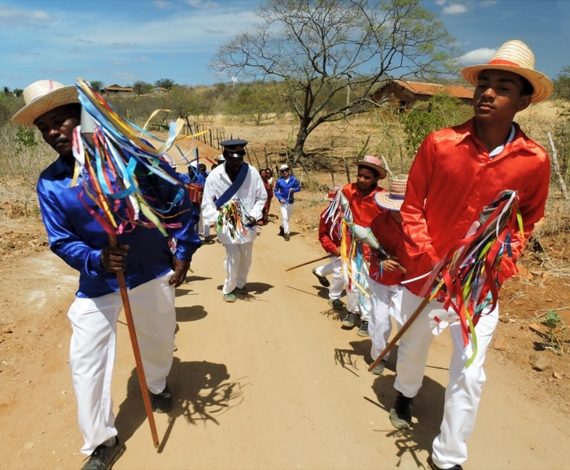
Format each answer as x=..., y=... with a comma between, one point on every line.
x=17, y=92
x=562, y=84
x=427, y=116
x=331, y=55
x=164, y=83
x=141, y=88
x=97, y=85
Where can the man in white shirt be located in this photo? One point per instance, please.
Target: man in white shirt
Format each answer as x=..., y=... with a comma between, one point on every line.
x=234, y=197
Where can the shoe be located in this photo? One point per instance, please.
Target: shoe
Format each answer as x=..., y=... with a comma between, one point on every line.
x=323, y=281
x=161, y=402
x=401, y=413
x=103, y=457
x=433, y=466
x=363, y=329
x=287, y=237
x=281, y=231
x=379, y=368
x=241, y=290
x=336, y=304
x=230, y=298
x=349, y=321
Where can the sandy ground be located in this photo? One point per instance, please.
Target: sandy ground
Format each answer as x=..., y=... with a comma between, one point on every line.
x=270, y=382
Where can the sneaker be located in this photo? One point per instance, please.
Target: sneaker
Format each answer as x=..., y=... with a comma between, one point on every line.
x=379, y=368
x=336, y=304
x=103, y=457
x=349, y=321
x=323, y=281
x=363, y=329
x=401, y=413
x=287, y=237
x=281, y=231
x=161, y=402
x=433, y=466
x=231, y=297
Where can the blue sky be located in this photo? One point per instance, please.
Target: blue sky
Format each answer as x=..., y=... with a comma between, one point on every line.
x=122, y=41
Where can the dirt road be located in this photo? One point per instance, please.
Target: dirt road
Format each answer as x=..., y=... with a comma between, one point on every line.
x=270, y=382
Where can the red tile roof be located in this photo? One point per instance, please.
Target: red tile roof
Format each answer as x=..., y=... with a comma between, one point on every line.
x=431, y=89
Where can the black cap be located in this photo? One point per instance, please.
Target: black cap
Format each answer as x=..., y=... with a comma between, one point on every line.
x=234, y=148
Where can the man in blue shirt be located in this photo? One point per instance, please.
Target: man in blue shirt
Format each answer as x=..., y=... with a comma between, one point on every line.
x=285, y=188
x=143, y=255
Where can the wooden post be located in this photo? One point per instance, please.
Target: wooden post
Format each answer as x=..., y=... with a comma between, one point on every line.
x=265, y=155
x=346, y=169
x=556, y=168
x=332, y=178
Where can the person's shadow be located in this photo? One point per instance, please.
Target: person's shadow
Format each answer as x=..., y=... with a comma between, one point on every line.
x=201, y=393
x=193, y=313
x=427, y=410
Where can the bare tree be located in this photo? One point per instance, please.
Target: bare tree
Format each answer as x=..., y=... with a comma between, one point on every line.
x=330, y=55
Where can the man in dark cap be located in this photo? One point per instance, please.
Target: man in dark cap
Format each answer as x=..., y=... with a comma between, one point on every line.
x=234, y=197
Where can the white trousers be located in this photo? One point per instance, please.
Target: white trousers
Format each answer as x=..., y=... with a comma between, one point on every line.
x=204, y=226
x=286, y=211
x=237, y=264
x=92, y=351
x=386, y=302
x=463, y=391
x=333, y=269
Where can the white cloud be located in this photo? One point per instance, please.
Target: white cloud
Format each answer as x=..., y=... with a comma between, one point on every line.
x=12, y=15
x=454, y=9
x=202, y=3
x=488, y=3
x=440, y=3
x=477, y=56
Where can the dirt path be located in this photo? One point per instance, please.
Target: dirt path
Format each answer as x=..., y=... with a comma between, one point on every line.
x=270, y=382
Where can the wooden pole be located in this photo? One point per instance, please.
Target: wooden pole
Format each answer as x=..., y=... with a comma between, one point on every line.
x=307, y=262
x=136, y=351
x=400, y=333
x=556, y=168
x=332, y=178
x=265, y=155
x=346, y=169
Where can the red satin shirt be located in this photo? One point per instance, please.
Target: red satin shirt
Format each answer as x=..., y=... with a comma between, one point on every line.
x=388, y=232
x=452, y=178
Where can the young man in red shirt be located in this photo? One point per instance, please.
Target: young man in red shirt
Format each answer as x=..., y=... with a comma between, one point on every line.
x=456, y=173
x=364, y=210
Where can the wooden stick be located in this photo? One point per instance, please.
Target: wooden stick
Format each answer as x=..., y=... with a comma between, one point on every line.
x=307, y=262
x=556, y=168
x=400, y=333
x=136, y=350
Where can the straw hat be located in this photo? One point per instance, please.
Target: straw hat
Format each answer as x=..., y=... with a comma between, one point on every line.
x=514, y=56
x=394, y=197
x=374, y=163
x=43, y=96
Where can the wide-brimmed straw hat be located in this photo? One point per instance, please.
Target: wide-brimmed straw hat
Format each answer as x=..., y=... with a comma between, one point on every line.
x=394, y=197
x=516, y=57
x=373, y=162
x=43, y=96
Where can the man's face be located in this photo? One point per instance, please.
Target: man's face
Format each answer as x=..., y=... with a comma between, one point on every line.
x=233, y=163
x=366, y=180
x=498, y=96
x=57, y=127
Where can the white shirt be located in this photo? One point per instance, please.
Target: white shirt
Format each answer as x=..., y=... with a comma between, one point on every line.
x=251, y=194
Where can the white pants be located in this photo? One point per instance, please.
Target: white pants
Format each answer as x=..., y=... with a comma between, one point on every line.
x=286, y=211
x=204, y=226
x=386, y=302
x=92, y=351
x=333, y=269
x=357, y=302
x=237, y=264
x=463, y=392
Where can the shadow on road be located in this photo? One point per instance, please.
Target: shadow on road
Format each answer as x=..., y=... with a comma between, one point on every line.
x=201, y=392
x=196, y=312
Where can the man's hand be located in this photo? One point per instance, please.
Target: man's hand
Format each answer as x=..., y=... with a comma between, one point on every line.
x=114, y=258
x=250, y=221
x=180, y=270
x=392, y=265
x=335, y=253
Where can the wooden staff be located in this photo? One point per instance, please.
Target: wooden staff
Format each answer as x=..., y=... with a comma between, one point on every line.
x=307, y=262
x=400, y=333
x=136, y=351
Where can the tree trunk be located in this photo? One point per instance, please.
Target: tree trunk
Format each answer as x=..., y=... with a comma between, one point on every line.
x=299, y=149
